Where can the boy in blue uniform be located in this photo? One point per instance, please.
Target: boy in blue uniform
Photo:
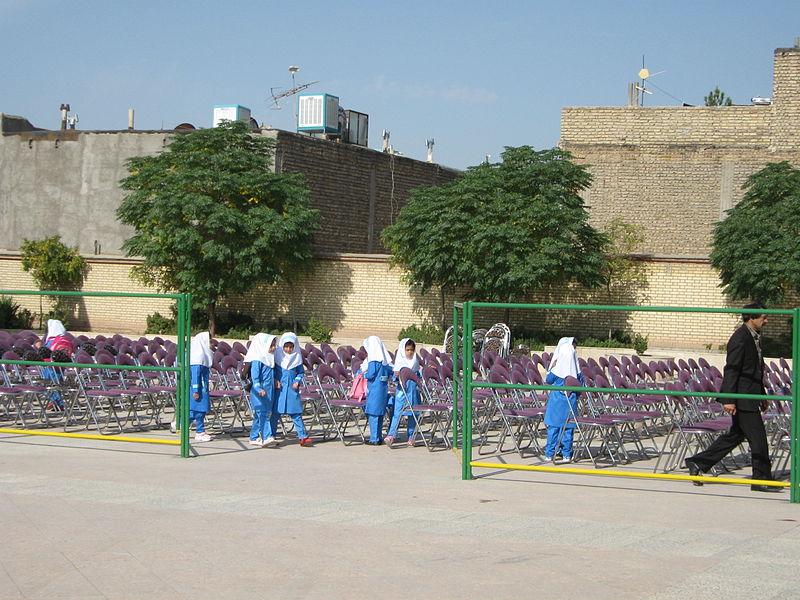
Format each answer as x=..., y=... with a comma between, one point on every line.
x=290, y=376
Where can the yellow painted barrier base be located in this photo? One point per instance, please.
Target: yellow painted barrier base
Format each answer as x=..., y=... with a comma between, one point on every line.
x=89, y=436
x=735, y=480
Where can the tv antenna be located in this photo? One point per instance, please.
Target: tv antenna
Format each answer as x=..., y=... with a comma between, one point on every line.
x=644, y=75
x=276, y=97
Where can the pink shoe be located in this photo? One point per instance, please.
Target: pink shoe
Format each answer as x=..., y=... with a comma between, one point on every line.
x=388, y=440
x=411, y=443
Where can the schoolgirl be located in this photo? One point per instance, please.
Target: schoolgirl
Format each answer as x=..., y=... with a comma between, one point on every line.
x=406, y=357
x=201, y=356
x=561, y=406
x=289, y=364
x=377, y=374
x=261, y=357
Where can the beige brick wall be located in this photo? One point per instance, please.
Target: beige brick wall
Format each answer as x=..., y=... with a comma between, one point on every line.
x=675, y=170
x=361, y=295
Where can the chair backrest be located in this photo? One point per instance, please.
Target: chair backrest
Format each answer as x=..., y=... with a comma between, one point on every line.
x=224, y=347
x=147, y=360
x=693, y=364
x=407, y=375
x=519, y=377
x=326, y=372
x=229, y=363
x=239, y=347
x=125, y=359
x=431, y=374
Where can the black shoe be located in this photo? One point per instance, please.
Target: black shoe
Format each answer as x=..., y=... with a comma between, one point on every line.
x=694, y=471
x=372, y=443
x=765, y=488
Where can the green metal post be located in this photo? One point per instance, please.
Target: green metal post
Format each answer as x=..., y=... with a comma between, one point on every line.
x=466, y=412
x=794, y=447
x=187, y=367
x=455, y=375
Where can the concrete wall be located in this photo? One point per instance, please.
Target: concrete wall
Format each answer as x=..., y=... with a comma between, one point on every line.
x=675, y=170
x=66, y=183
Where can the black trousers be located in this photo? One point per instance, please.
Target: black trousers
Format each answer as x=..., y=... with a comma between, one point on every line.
x=747, y=425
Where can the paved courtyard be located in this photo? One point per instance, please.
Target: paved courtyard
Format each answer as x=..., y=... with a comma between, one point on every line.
x=99, y=519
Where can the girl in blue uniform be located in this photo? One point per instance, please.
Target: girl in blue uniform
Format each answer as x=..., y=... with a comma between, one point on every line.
x=561, y=407
x=289, y=364
x=406, y=357
x=377, y=374
x=261, y=356
x=200, y=358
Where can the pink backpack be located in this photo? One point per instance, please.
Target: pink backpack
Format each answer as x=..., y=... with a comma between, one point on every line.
x=358, y=389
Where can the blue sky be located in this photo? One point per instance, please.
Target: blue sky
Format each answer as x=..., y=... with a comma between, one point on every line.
x=475, y=76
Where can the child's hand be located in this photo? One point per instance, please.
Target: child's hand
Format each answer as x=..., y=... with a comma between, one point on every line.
x=296, y=385
x=278, y=384
x=196, y=396
x=262, y=393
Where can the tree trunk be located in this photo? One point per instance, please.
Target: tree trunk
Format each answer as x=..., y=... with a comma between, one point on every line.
x=444, y=313
x=212, y=318
x=611, y=313
x=294, y=312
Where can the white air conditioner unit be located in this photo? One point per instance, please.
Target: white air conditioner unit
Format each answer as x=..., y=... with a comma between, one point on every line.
x=318, y=113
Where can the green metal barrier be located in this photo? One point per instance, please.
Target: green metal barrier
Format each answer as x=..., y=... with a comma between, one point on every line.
x=181, y=368
x=466, y=310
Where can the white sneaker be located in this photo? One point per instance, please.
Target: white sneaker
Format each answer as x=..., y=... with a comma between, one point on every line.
x=548, y=459
x=566, y=459
x=173, y=427
x=270, y=442
x=202, y=437
x=256, y=442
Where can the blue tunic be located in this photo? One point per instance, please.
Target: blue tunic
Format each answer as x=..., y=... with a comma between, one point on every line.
x=200, y=386
x=288, y=398
x=377, y=377
x=557, y=411
x=263, y=380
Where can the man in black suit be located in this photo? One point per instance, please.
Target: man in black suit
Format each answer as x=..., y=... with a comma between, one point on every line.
x=744, y=374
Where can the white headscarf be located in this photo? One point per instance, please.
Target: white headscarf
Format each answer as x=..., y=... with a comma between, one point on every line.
x=200, y=352
x=376, y=351
x=55, y=328
x=400, y=360
x=288, y=361
x=565, y=360
x=259, y=349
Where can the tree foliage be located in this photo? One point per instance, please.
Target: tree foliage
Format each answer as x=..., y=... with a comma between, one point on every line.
x=756, y=249
x=624, y=240
x=54, y=266
x=717, y=97
x=212, y=218
x=501, y=230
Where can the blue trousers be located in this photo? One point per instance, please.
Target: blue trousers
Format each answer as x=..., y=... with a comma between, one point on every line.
x=411, y=422
x=296, y=419
x=375, y=428
x=200, y=417
x=262, y=425
x=553, y=433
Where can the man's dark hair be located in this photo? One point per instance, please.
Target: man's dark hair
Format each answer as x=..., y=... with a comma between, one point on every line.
x=752, y=315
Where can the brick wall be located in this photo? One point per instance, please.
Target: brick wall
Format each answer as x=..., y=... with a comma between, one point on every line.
x=675, y=170
x=360, y=295
x=358, y=191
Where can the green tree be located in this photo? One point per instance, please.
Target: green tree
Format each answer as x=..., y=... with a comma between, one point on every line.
x=212, y=218
x=756, y=249
x=501, y=230
x=716, y=97
x=54, y=266
x=622, y=269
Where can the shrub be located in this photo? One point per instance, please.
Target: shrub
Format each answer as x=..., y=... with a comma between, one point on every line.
x=156, y=323
x=427, y=334
x=239, y=333
x=61, y=311
x=639, y=343
x=318, y=331
x=12, y=316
